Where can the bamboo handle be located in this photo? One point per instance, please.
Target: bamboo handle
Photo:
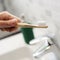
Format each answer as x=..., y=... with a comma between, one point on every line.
x=25, y=25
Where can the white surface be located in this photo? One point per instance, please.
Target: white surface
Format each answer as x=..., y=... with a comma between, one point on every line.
x=53, y=49
x=11, y=43
x=49, y=56
x=18, y=54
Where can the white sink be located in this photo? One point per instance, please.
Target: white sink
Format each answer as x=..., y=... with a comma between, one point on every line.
x=22, y=53
x=49, y=56
x=52, y=54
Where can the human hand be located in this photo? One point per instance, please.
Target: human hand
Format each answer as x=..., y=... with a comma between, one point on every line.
x=8, y=22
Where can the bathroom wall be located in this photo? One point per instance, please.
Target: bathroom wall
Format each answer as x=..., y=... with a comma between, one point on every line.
x=36, y=10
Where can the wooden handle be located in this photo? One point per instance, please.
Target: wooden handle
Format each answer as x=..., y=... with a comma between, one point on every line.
x=25, y=25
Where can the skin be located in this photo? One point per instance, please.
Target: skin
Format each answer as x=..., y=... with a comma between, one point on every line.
x=8, y=22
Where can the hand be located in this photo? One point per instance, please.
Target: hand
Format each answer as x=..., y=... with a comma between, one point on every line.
x=8, y=22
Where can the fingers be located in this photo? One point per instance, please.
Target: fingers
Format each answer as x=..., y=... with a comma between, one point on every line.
x=9, y=26
x=9, y=29
x=10, y=23
x=13, y=22
x=5, y=16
